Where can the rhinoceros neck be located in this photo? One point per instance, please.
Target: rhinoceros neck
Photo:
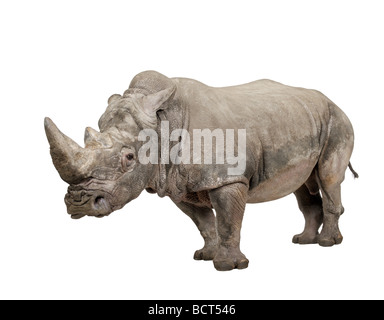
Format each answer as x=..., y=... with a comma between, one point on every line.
x=167, y=179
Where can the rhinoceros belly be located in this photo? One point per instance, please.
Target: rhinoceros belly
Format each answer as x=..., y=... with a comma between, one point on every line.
x=283, y=182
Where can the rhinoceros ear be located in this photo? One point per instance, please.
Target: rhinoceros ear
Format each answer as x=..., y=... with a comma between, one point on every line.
x=154, y=102
x=113, y=97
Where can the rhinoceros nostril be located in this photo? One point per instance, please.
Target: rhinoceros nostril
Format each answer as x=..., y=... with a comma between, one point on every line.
x=101, y=204
x=98, y=200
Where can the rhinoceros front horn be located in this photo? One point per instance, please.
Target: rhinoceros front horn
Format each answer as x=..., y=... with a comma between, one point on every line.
x=69, y=159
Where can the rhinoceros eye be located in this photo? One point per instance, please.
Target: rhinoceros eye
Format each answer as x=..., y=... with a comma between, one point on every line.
x=127, y=160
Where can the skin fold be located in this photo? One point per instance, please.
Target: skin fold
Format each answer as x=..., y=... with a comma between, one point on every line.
x=297, y=141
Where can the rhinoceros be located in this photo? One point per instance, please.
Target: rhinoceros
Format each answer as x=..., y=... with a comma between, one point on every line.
x=297, y=141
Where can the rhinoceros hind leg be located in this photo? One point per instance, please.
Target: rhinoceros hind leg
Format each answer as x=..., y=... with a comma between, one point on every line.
x=330, y=233
x=312, y=209
x=330, y=176
x=332, y=165
x=205, y=221
x=229, y=203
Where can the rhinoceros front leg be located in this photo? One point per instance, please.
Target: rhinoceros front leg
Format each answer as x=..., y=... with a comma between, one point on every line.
x=229, y=203
x=205, y=221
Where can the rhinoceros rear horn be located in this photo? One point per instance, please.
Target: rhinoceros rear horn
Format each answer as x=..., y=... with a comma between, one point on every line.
x=69, y=159
x=93, y=138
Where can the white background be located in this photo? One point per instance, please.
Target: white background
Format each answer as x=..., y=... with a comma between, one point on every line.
x=64, y=59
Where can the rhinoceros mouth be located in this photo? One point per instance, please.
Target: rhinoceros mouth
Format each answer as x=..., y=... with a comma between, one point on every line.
x=79, y=203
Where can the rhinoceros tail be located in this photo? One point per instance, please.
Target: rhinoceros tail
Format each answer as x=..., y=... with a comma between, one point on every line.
x=355, y=174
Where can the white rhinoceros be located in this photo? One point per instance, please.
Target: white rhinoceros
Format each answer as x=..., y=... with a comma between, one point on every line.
x=296, y=141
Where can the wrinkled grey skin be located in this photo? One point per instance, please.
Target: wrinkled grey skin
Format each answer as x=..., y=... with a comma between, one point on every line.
x=298, y=141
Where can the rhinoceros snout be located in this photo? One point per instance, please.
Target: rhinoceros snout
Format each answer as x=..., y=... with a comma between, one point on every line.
x=81, y=203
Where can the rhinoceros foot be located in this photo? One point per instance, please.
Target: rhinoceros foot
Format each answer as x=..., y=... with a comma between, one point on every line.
x=329, y=241
x=330, y=233
x=230, y=258
x=206, y=253
x=305, y=238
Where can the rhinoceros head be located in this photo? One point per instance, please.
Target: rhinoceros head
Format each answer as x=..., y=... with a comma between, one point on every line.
x=106, y=174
